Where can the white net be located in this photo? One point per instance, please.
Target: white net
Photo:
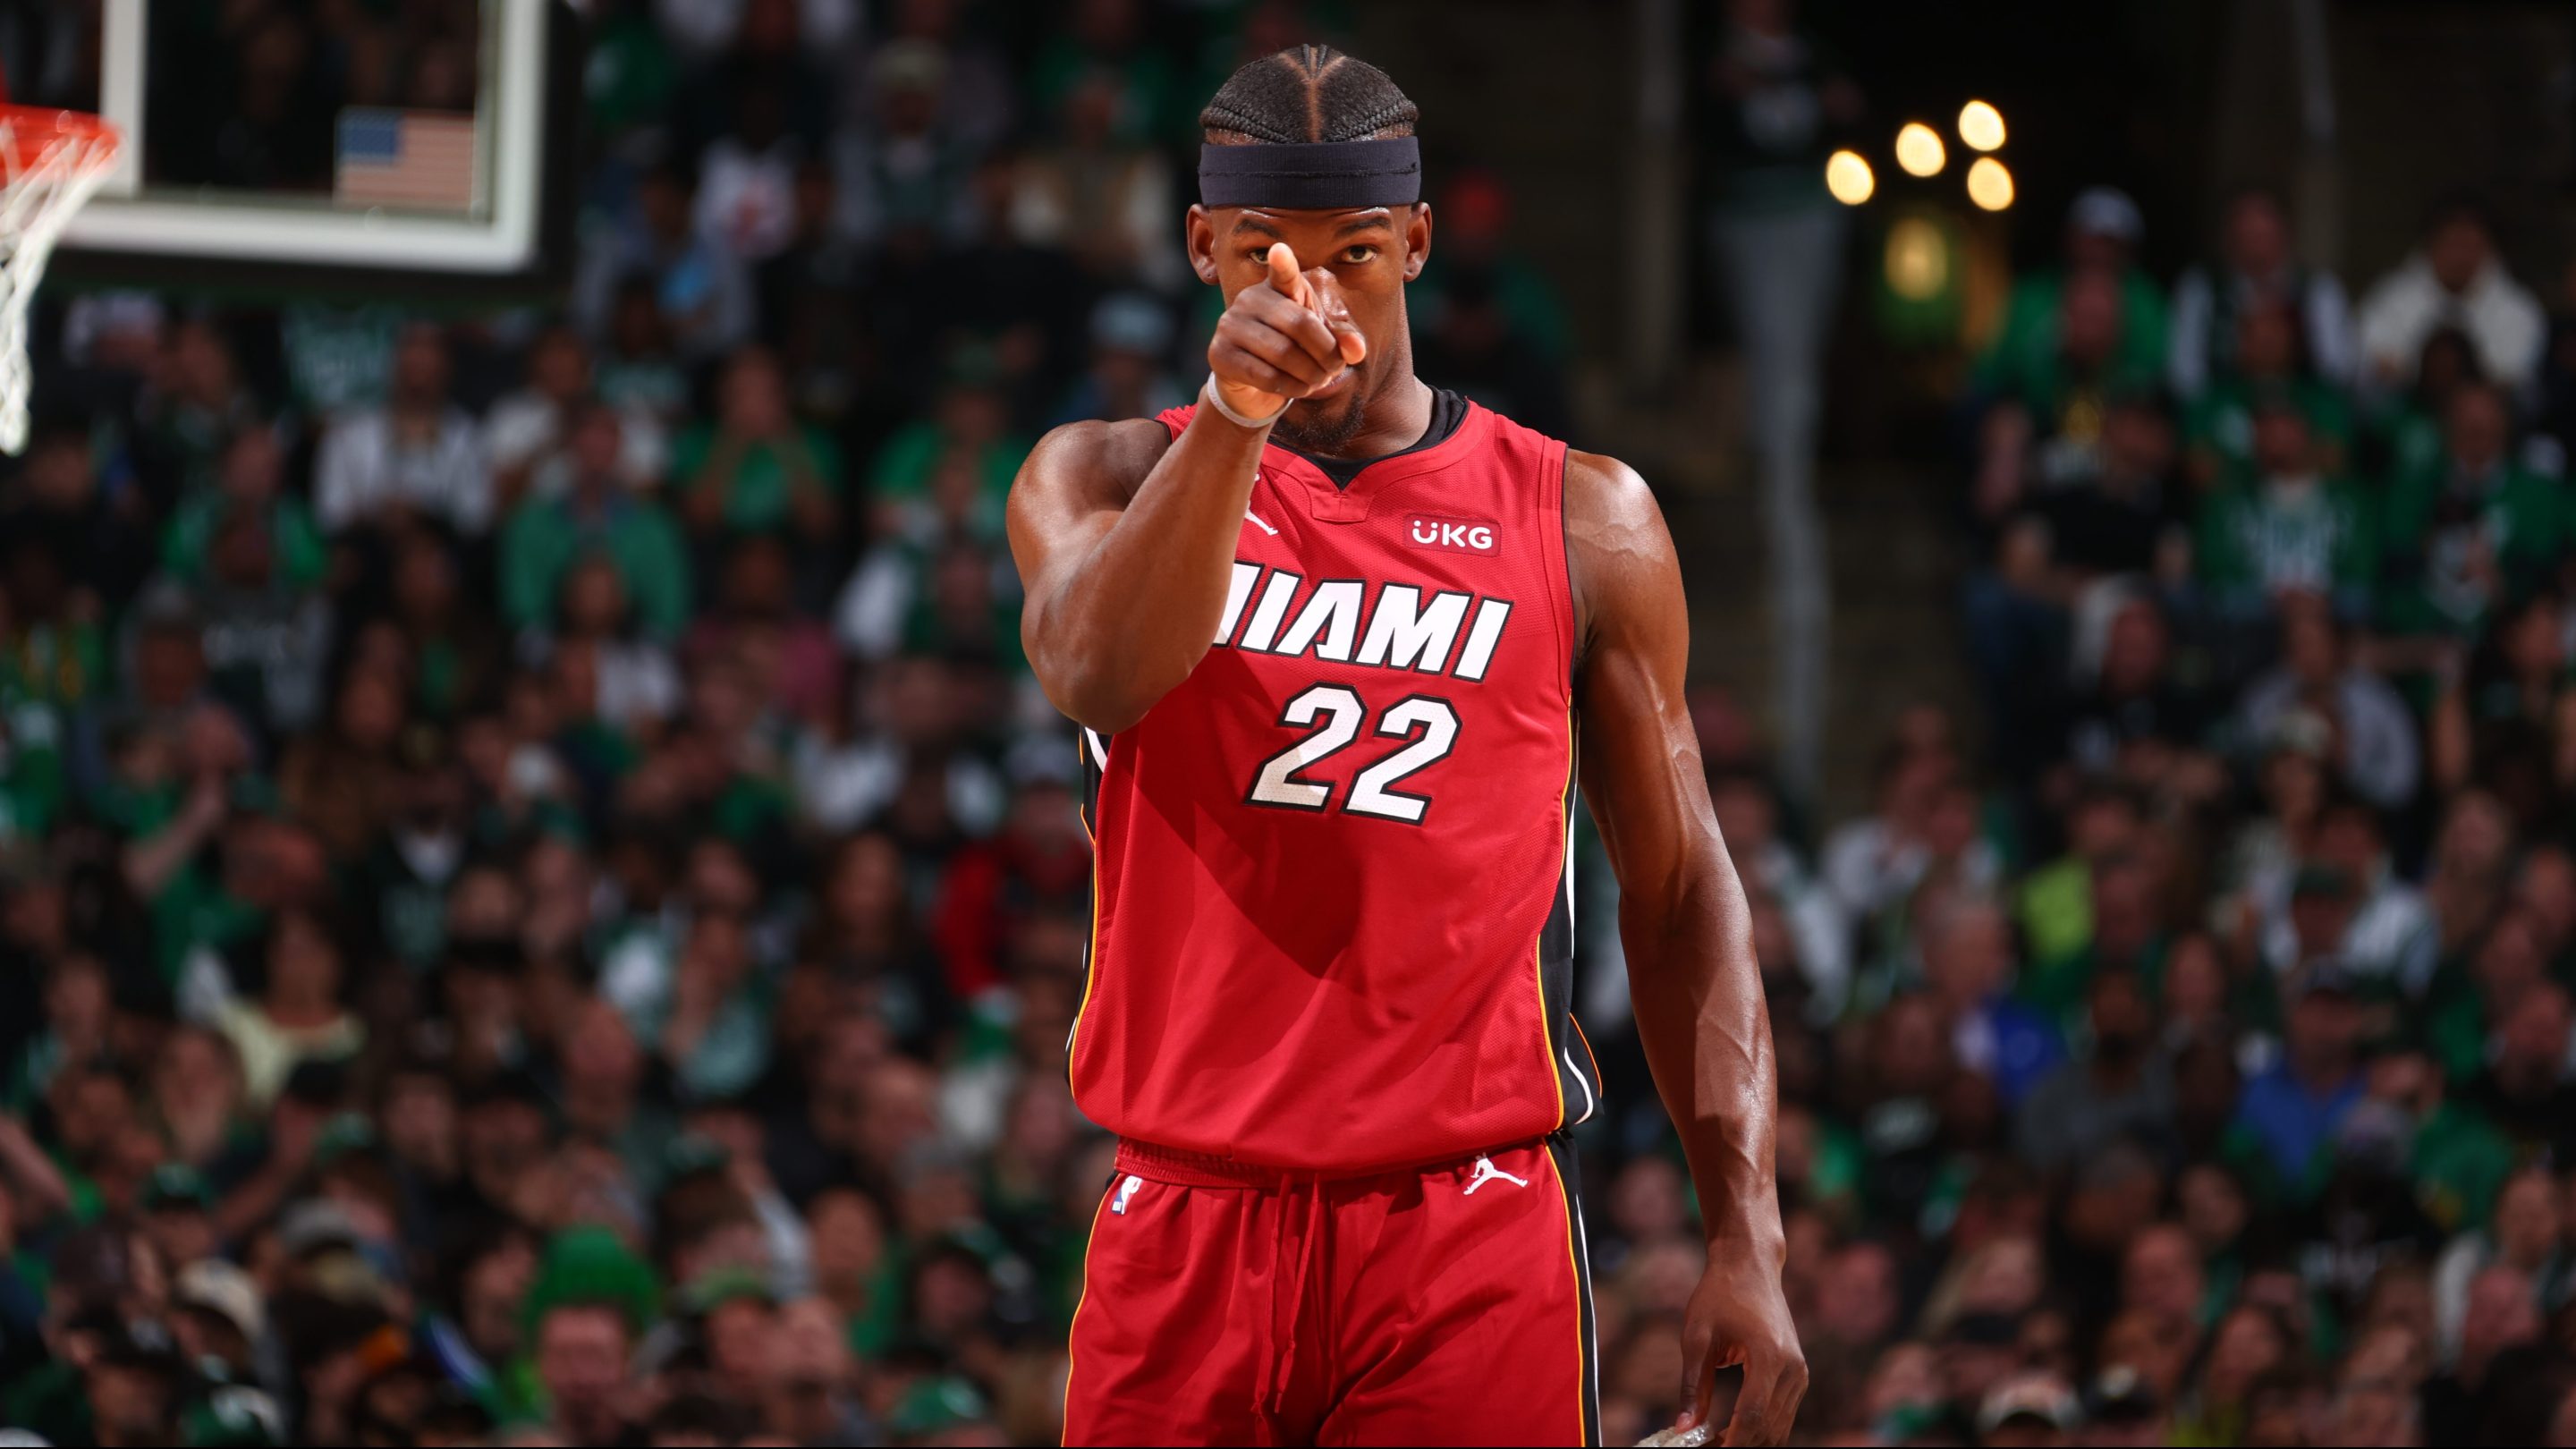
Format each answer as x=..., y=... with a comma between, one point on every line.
x=50, y=161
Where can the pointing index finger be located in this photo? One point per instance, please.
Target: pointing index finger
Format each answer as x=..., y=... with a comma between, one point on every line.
x=1285, y=279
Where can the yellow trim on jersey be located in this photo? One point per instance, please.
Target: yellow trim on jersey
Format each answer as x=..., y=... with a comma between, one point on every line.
x=1582, y=1361
x=1081, y=771
x=1074, y=1324
x=1091, y=952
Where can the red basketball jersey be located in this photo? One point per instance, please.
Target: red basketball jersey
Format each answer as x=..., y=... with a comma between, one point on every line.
x=1332, y=911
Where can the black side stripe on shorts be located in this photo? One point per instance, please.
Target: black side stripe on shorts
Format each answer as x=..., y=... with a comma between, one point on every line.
x=1560, y=1147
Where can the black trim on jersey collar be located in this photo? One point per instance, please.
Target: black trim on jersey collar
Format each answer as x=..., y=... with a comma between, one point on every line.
x=1448, y=414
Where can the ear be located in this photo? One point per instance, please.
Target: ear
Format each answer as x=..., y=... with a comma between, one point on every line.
x=1198, y=234
x=1417, y=240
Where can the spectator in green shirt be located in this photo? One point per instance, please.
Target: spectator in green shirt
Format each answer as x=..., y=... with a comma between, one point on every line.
x=198, y=400
x=250, y=478
x=757, y=468
x=53, y=651
x=2405, y=432
x=2497, y=717
x=79, y=1012
x=632, y=74
x=31, y=766
x=1113, y=37
x=2476, y=530
x=639, y=364
x=2458, y=1161
x=2287, y=528
x=970, y=429
x=2219, y=425
x=2047, y=427
x=2102, y=234
x=595, y=514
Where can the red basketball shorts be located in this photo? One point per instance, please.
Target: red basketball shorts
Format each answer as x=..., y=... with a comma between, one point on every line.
x=1439, y=1305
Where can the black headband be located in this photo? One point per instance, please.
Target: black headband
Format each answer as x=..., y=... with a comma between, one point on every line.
x=1313, y=176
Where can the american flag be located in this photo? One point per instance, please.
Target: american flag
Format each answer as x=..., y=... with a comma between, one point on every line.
x=406, y=158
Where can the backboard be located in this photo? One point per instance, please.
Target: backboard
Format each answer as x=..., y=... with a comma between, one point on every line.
x=406, y=148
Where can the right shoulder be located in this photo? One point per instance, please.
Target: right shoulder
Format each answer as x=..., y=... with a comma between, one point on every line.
x=1095, y=456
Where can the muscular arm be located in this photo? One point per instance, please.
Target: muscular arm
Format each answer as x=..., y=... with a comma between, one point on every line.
x=1688, y=935
x=1125, y=541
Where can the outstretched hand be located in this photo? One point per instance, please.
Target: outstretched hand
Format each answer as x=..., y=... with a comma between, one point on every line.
x=1282, y=340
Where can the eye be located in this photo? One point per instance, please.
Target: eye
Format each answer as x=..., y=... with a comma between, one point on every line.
x=1358, y=256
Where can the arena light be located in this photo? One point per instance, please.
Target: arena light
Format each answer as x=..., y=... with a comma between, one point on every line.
x=1916, y=260
x=1989, y=184
x=1981, y=126
x=1919, y=150
x=1848, y=177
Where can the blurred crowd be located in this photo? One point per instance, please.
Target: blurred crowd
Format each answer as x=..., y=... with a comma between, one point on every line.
x=2189, y=1061
x=538, y=898
x=539, y=902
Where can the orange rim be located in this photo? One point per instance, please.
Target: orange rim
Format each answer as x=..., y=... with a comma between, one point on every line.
x=33, y=132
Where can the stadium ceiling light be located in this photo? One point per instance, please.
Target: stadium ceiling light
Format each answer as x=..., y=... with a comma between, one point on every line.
x=1919, y=150
x=1981, y=126
x=1848, y=177
x=1989, y=184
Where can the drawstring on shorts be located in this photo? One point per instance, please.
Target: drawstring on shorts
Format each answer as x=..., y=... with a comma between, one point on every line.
x=1279, y=1358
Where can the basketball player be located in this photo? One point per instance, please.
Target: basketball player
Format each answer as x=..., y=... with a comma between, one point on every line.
x=1333, y=637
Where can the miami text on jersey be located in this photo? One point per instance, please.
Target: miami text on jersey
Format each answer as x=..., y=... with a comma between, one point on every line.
x=1400, y=626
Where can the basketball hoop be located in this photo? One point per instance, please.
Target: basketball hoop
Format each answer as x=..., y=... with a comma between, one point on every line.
x=50, y=162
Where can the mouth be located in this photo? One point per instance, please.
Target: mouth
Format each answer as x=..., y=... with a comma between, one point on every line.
x=1340, y=383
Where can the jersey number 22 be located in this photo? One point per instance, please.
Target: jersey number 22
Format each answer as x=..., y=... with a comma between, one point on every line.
x=1424, y=721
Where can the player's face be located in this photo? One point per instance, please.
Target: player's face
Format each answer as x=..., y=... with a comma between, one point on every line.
x=1361, y=257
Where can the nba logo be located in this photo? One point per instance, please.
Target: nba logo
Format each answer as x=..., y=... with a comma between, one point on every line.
x=1126, y=1190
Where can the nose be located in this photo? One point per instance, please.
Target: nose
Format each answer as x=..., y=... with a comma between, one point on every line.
x=1329, y=297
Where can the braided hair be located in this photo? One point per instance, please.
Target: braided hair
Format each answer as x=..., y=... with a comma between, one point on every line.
x=1306, y=93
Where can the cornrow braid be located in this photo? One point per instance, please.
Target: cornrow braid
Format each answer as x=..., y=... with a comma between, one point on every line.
x=1307, y=93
